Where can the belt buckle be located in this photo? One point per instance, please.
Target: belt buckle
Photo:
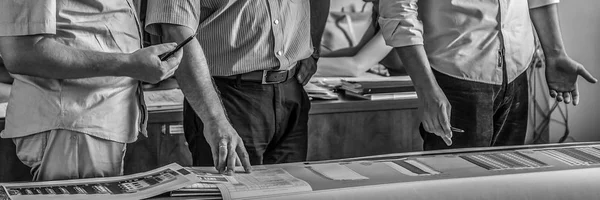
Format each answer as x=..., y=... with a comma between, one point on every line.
x=264, y=78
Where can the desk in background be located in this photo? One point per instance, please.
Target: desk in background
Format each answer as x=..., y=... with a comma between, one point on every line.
x=336, y=129
x=350, y=128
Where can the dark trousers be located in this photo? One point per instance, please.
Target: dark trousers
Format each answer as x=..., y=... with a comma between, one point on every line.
x=272, y=120
x=11, y=168
x=490, y=115
x=160, y=148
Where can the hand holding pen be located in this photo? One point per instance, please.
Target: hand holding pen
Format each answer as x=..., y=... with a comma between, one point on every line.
x=177, y=48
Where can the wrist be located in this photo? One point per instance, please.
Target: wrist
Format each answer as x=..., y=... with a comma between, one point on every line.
x=215, y=119
x=554, y=52
x=551, y=60
x=426, y=85
x=122, y=65
x=216, y=123
x=429, y=90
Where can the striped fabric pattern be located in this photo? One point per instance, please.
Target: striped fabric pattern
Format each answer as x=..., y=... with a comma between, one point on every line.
x=240, y=36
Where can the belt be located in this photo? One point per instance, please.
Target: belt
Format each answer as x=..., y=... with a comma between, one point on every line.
x=265, y=77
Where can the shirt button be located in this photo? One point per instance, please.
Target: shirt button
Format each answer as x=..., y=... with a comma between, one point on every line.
x=279, y=53
x=276, y=22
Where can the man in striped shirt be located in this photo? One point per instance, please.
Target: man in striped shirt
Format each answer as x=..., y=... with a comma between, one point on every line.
x=257, y=52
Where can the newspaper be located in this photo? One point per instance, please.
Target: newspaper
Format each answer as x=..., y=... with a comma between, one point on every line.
x=136, y=186
x=318, y=92
x=160, y=100
x=261, y=182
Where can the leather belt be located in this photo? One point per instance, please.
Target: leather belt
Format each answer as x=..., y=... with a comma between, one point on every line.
x=265, y=77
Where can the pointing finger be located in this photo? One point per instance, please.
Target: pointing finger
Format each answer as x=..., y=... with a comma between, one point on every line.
x=445, y=122
x=231, y=158
x=223, y=151
x=447, y=140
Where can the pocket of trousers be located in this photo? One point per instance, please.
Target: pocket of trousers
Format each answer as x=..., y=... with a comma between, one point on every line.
x=30, y=149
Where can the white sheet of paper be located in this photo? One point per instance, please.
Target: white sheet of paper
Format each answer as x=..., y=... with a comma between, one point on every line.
x=336, y=171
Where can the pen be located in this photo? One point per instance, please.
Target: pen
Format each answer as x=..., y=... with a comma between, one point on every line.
x=179, y=46
x=457, y=130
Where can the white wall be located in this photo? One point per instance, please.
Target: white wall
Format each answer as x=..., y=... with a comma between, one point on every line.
x=580, y=21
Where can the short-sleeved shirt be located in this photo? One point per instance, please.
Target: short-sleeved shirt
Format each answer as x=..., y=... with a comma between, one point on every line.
x=240, y=36
x=469, y=40
x=106, y=107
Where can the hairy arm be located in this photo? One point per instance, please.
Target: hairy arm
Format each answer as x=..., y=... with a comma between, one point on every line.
x=195, y=81
x=42, y=56
x=434, y=104
x=403, y=30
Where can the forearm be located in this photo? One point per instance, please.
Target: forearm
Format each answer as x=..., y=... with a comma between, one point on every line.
x=545, y=20
x=195, y=80
x=44, y=57
x=417, y=66
x=197, y=85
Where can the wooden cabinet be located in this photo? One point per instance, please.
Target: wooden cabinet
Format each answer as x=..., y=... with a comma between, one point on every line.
x=337, y=129
x=345, y=129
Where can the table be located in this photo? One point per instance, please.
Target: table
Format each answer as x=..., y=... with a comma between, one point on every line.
x=556, y=171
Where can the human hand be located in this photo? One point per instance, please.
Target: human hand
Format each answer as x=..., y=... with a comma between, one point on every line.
x=307, y=69
x=147, y=66
x=436, y=110
x=227, y=147
x=561, y=76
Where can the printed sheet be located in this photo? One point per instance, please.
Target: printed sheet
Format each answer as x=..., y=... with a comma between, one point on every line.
x=136, y=186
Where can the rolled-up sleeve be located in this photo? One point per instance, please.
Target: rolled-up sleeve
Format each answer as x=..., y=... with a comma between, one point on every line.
x=399, y=22
x=27, y=17
x=178, y=12
x=540, y=3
